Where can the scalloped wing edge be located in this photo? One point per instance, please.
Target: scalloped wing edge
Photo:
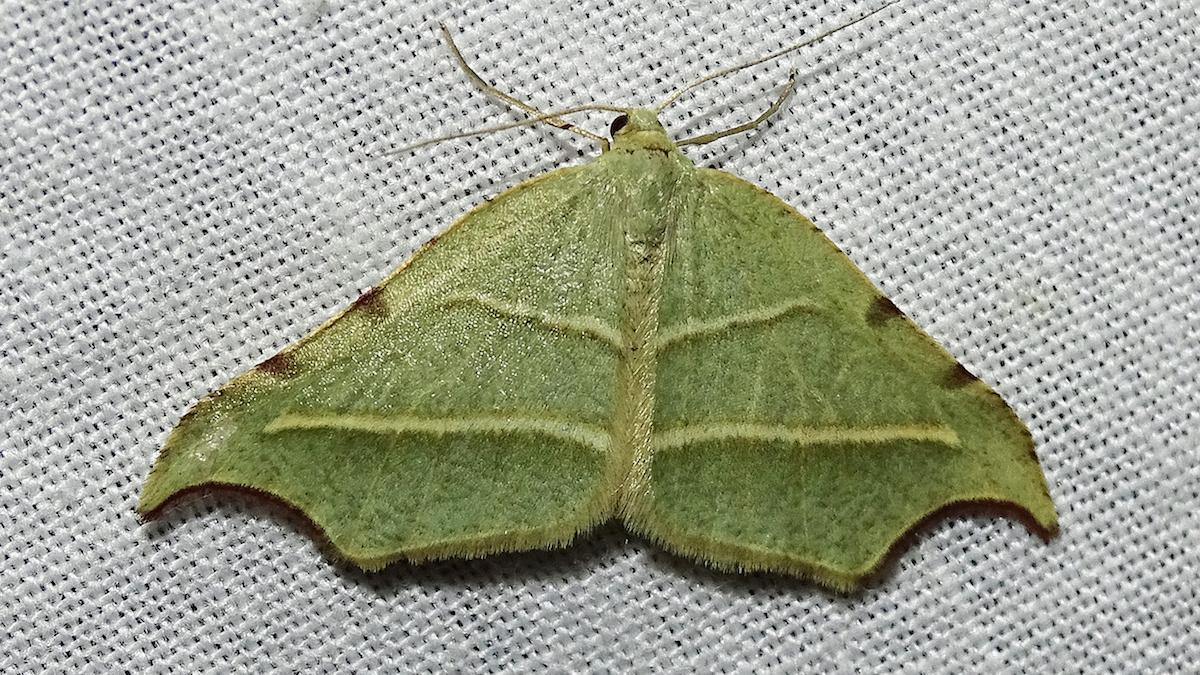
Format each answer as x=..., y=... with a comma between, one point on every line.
x=738, y=558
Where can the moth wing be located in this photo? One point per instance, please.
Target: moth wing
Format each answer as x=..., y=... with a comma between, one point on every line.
x=460, y=408
x=803, y=424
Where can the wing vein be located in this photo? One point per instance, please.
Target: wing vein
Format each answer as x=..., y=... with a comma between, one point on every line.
x=693, y=328
x=580, y=325
x=873, y=435
x=488, y=425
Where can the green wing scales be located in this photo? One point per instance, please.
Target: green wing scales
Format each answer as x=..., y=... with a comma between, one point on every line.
x=459, y=408
x=803, y=423
x=635, y=338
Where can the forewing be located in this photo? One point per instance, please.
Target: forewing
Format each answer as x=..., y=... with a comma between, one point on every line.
x=803, y=423
x=459, y=408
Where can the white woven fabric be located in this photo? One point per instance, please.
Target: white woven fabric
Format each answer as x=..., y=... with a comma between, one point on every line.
x=187, y=187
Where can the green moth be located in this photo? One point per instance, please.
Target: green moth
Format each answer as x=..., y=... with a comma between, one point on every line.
x=635, y=338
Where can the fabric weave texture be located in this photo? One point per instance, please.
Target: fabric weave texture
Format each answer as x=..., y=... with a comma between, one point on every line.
x=186, y=188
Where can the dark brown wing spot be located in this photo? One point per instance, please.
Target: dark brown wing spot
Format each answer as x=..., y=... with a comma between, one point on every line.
x=371, y=302
x=282, y=364
x=959, y=376
x=881, y=310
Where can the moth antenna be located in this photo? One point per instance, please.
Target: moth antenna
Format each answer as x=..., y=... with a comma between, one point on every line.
x=769, y=57
x=489, y=89
x=541, y=117
x=788, y=90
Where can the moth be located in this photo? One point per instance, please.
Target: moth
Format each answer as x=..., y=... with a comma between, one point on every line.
x=635, y=338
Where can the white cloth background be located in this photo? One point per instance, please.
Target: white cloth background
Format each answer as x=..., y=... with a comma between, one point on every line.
x=186, y=187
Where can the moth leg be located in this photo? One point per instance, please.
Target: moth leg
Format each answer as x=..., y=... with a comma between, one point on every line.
x=788, y=89
x=492, y=91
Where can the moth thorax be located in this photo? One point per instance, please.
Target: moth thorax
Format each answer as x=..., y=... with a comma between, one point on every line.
x=645, y=233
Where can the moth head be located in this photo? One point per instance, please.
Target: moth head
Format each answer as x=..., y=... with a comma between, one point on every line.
x=639, y=128
x=634, y=121
x=618, y=124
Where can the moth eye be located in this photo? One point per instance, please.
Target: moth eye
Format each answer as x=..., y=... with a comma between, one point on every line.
x=618, y=123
